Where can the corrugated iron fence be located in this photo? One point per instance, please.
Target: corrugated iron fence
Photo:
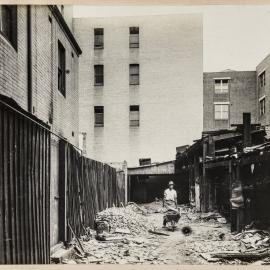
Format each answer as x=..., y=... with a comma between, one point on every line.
x=24, y=189
x=86, y=186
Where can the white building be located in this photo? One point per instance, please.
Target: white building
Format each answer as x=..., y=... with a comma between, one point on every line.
x=140, y=85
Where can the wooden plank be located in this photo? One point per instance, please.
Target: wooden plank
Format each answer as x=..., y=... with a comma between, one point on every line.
x=33, y=192
x=21, y=161
x=41, y=195
x=62, y=191
x=17, y=189
x=37, y=194
x=26, y=186
x=12, y=194
x=223, y=163
x=30, y=190
x=7, y=225
x=246, y=160
x=47, y=195
x=2, y=135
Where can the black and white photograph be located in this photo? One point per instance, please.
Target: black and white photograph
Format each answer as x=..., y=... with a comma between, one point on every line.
x=134, y=134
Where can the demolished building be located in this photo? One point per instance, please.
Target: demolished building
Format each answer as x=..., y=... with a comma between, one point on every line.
x=227, y=166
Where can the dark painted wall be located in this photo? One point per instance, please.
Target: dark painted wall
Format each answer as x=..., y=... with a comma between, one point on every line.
x=145, y=189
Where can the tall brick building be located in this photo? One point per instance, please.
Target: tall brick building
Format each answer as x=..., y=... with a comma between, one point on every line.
x=263, y=92
x=228, y=94
x=140, y=85
x=39, y=70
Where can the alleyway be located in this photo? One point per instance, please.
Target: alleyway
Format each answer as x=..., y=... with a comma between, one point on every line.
x=208, y=235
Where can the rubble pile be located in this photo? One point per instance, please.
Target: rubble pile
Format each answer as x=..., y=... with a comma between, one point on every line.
x=133, y=235
x=249, y=245
x=133, y=250
x=154, y=207
x=254, y=239
x=124, y=218
x=192, y=215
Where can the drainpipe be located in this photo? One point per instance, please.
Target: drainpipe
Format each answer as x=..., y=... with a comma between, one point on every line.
x=29, y=58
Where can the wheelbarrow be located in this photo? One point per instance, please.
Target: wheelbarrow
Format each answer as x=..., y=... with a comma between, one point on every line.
x=172, y=217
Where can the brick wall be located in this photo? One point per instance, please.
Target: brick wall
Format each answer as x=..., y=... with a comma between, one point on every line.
x=46, y=98
x=13, y=64
x=169, y=94
x=264, y=66
x=241, y=97
x=48, y=102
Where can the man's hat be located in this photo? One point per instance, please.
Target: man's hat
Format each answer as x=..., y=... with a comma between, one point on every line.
x=171, y=183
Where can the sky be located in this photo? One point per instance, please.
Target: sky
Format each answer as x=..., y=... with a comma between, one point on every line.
x=234, y=37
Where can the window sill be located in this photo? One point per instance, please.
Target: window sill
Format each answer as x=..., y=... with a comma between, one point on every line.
x=134, y=46
x=98, y=84
x=221, y=93
x=99, y=125
x=222, y=119
x=98, y=48
x=134, y=84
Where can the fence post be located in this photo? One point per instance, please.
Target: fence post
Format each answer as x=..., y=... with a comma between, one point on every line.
x=62, y=191
x=126, y=180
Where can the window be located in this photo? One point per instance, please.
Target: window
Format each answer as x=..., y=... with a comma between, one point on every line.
x=221, y=111
x=99, y=76
x=262, y=79
x=134, y=74
x=133, y=37
x=99, y=116
x=61, y=69
x=8, y=23
x=262, y=106
x=99, y=38
x=134, y=115
x=221, y=86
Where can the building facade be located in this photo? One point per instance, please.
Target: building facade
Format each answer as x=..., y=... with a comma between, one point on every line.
x=39, y=70
x=140, y=86
x=226, y=96
x=263, y=92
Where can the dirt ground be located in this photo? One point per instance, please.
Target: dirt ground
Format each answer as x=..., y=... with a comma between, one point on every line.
x=206, y=236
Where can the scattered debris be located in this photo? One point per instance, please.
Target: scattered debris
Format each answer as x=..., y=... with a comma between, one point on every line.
x=208, y=257
x=77, y=238
x=242, y=255
x=254, y=239
x=62, y=254
x=222, y=220
x=124, y=231
x=158, y=232
x=67, y=261
x=127, y=236
x=124, y=218
x=102, y=237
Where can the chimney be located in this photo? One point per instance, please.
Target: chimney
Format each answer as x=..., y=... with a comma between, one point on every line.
x=247, y=129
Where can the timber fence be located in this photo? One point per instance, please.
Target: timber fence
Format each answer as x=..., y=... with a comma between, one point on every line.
x=86, y=187
x=24, y=186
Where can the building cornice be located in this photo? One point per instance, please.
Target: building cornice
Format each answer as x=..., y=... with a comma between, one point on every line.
x=61, y=21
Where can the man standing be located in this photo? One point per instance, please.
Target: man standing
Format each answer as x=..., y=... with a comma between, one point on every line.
x=170, y=195
x=170, y=202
